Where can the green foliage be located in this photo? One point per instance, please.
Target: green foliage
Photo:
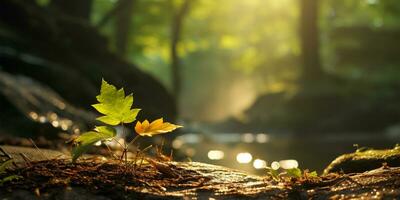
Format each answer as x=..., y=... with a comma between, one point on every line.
x=115, y=106
x=79, y=150
x=117, y=110
x=3, y=167
x=273, y=173
x=43, y=2
x=313, y=174
x=101, y=133
x=222, y=39
x=9, y=178
x=86, y=140
x=294, y=172
x=278, y=174
x=223, y=43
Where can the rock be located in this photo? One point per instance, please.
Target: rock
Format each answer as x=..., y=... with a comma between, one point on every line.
x=19, y=154
x=34, y=107
x=70, y=57
x=364, y=160
x=334, y=104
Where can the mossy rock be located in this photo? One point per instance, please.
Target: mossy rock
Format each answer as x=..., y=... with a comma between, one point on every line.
x=364, y=160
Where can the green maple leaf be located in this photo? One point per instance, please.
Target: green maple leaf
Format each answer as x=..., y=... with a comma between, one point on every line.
x=115, y=106
x=101, y=133
x=88, y=139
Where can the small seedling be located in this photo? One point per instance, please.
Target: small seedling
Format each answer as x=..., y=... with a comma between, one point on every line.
x=360, y=149
x=277, y=173
x=117, y=110
x=294, y=172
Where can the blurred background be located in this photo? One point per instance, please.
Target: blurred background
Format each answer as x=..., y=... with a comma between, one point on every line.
x=252, y=81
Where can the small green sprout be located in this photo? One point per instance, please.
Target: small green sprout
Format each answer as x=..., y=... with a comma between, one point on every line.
x=277, y=173
x=117, y=110
x=294, y=172
x=313, y=174
x=360, y=149
x=273, y=173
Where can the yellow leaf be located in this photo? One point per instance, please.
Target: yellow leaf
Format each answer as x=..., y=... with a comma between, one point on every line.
x=156, y=127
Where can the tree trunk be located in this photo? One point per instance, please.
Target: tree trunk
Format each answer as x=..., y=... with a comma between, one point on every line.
x=176, y=32
x=123, y=20
x=309, y=34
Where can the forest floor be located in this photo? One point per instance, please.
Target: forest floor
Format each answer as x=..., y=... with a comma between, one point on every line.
x=96, y=177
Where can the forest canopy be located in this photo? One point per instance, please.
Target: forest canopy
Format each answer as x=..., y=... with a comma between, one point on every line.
x=251, y=48
x=260, y=64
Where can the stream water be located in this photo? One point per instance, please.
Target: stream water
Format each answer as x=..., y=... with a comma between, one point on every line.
x=246, y=151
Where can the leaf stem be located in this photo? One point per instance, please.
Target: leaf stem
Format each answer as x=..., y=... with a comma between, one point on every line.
x=108, y=147
x=110, y=151
x=115, y=140
x=133, y=140
x=125, y=152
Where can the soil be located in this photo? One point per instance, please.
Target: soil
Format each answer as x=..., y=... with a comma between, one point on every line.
x=111, y=178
